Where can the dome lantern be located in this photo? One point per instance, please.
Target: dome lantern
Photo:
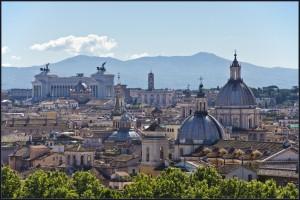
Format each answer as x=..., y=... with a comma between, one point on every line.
x=235, y=69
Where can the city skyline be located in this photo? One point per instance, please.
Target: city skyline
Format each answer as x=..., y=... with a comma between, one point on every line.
x=264, y=34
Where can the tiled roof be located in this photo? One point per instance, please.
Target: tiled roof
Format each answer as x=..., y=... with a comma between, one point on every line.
x=32, y=152
x=248, y=149
x=79, y=148
x=123, y=158
x=277, y=173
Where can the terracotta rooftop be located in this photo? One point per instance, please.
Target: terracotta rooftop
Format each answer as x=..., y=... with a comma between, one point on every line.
x=247, y=147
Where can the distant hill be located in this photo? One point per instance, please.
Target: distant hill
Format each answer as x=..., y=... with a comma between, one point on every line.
x=169, y=71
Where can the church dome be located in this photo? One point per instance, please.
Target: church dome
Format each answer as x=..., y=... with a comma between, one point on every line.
x=200, y=128
x=235, y=93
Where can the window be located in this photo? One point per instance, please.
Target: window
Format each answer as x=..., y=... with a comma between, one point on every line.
x=181, y=151
x=147, y=154
x=161, y=153
x=69, y=159
x=74, y=160
x=81, y=160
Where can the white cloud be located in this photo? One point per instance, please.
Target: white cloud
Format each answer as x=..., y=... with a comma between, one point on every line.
x=91, y=44
x=6, y=65
x=15, y=57
x=4, y=50
x=135, y=56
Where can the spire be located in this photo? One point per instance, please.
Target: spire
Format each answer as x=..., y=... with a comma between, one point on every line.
x=235, y=54
x=200, y=91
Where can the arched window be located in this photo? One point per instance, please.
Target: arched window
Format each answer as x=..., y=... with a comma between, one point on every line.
x=161, y=153
x=250, y=123
x=74, y=160
x=69, y=159
x=81, y=160
x=147, y=154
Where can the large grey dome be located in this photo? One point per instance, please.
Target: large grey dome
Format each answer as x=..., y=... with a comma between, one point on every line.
x=200, y=129
x=235, y=93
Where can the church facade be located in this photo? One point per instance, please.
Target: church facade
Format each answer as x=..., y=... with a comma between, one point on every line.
x=49, y=86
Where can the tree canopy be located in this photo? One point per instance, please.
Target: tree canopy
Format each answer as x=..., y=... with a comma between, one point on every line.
x=205, y=182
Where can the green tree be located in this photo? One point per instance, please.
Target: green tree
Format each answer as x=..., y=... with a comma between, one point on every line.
x=88, y=186
x=209, y=174
x=290, y=191
x=233, y=188
x=270, y=189
x=201, y=190
x=172, y=183
x=255, y=189
x=59, y=186
x=49, y=184
x=10, y=182
x=142, y=187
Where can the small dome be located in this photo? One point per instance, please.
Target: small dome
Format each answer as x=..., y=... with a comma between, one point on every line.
x=124, y=135
x=235, y=93
x=200, y=129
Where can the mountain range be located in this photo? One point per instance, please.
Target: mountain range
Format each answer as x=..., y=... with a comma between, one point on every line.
x=169, y=71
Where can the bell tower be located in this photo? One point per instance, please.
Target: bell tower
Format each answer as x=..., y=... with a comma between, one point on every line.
x=150, y=81
x=119, y=99
x=201, y=101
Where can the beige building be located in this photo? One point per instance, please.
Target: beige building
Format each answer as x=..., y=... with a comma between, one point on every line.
x=79, y=156
x=155, y=149
x=119, y=180
x=153, y=97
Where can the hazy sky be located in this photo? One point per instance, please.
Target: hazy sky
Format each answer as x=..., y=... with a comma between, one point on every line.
x=264, y=33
